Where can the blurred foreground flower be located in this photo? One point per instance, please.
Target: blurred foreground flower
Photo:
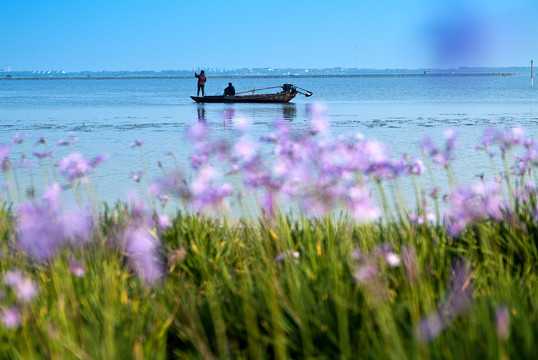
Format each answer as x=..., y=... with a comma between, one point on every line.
x=25, y=289
x=141, y=248
x=502, y=322
x=10, y=317
x=76, y=266
x=472, y=203
x=41, y=230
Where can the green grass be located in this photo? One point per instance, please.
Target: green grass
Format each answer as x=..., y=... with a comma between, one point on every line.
x=225, y=297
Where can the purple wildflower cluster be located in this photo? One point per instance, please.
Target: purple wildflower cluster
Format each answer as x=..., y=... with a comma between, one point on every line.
x=68, y=142
x=319, y=172
x=75, y=167
x=440, y=156
x=472, y=203
x=505, y=139
x=24, y=290
x=140, y=243
x=206, y=192
x=323, y=174
x=42, y=228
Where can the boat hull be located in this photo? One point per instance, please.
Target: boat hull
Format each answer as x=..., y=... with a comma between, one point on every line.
x=281, y=97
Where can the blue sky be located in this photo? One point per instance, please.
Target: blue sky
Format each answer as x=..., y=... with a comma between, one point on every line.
x=177, y=35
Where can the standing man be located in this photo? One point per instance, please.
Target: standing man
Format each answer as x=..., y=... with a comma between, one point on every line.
x=201, y=82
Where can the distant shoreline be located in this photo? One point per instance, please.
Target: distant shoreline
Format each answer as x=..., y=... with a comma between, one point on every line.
x=317, y=76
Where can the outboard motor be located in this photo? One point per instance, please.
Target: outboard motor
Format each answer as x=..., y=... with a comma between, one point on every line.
x=289, y=88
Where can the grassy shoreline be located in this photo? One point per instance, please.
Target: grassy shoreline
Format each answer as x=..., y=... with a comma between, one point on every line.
x=287, y=289
x=145, y=280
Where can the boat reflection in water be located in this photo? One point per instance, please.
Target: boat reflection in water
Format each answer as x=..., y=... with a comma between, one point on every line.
x=228, y=115
x=209, y=113
x=201, y=113
x=289, y=112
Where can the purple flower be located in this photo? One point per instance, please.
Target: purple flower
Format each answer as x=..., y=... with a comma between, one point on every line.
x=136, y=176
x=18, y=138
x=172, y=184
x=430, y=327
x=43, y=155
x=41, y=230
x=386, y=169
x=10, y=317
x=246, y=149
x=366, y=272
x=99, y=160
x=25, y=164
x=470, y=204
x=70, y=140
x=450, y=136
x=392, y=259
x=505, y=139
x=205, y=194
x=136, y=143
x=76, y=266
x=5, y=163
x=269, y=205
x=76, y=225
x=141, y=248
x=502, y=322
x=38, y=231
x=25, y=289
x=415, y=167
x=360, y=204
x=41, y=141
x=416, y=219
x=163, y=222
x=74, y=167
x=52, y=194
x=439, y=157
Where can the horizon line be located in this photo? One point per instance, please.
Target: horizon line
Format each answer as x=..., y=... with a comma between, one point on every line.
x=269, y=69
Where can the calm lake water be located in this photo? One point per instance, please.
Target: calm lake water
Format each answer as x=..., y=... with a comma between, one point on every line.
x=106, y=115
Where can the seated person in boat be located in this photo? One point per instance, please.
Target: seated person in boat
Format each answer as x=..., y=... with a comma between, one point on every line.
x=230, y=90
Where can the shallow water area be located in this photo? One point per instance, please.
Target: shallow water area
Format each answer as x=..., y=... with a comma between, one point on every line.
x=107, y=115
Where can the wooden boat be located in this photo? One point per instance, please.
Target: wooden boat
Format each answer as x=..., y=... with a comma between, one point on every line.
x=288, y=92
x=261, y=98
